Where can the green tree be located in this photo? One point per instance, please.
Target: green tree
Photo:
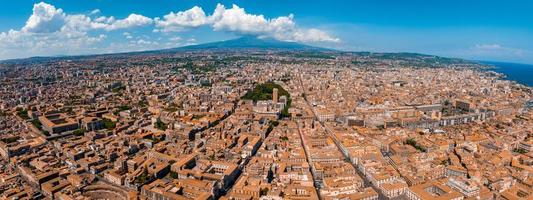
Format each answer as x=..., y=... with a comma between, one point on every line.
x=160, y=125
x=108, y=124
x=79, y=132
x=263, y=191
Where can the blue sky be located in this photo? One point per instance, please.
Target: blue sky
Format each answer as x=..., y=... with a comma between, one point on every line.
x=473, y=29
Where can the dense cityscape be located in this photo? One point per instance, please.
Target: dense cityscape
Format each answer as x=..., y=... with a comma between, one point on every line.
x=263, y=124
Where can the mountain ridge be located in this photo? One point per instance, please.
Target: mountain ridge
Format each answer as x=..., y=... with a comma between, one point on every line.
x=237, y=44
x=241, y=43
x=251, y=42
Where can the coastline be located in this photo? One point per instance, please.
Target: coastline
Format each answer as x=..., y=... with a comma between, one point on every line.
x=518, y=73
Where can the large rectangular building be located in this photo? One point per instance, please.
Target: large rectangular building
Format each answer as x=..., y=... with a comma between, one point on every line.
x=58, y=123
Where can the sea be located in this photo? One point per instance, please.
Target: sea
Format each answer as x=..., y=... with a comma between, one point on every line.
x=520, y=73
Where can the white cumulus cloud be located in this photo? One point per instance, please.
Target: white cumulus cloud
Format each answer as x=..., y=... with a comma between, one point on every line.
x=49, y=30
x=44, y=19
x=191, y=18
x=21, y=43
x=132, y=20
x=237, y=20
x=47, y=19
